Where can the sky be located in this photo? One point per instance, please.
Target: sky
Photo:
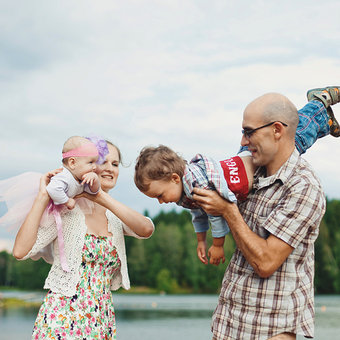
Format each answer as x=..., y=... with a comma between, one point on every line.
x=171, y=72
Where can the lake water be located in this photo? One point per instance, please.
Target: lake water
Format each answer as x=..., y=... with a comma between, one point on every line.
x=165, y=317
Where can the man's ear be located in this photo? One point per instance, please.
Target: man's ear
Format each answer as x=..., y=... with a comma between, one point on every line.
x=278, y=129
x=175, y=178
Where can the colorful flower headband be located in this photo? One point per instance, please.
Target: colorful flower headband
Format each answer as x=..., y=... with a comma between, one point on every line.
x=101, y=146
x=97, y=147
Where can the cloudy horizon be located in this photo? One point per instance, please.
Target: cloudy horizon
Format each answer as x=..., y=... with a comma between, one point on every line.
x=147, y=73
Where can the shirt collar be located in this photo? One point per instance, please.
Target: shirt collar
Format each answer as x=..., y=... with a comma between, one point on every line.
x=283, y=174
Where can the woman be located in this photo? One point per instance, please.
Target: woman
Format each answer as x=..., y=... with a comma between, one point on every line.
x=79, y=303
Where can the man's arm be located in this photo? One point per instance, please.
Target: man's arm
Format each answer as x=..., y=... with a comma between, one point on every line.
x=264, y=255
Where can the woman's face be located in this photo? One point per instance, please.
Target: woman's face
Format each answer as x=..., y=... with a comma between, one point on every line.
x=108, y=171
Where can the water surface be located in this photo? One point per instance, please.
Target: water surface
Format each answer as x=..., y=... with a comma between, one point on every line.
x=165, y=317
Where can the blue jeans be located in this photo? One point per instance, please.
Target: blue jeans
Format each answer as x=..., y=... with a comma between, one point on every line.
x=313, y=124
x=200, y=221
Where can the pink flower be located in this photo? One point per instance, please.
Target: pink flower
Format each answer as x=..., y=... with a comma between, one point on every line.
x=52, y=316
x=78, y=333
x=87, y=330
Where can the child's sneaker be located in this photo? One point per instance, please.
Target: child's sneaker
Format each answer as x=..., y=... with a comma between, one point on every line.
x=328, y=96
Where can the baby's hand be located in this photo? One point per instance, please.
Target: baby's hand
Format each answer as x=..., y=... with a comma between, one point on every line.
x=70, y=203
x=90, y=178
x=216, y=254
x=201, y=252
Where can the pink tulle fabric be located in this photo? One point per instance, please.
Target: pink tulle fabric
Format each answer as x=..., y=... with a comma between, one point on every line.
x=18, y=194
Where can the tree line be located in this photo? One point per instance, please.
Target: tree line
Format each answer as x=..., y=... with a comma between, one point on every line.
x=168, y=261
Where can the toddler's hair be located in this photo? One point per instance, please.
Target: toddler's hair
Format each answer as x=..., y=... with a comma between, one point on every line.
x=157, y=163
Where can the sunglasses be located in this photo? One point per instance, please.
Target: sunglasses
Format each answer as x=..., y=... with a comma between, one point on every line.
x=247, y=133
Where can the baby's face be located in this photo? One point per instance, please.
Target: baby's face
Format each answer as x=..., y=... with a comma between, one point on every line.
x=83, y=165
x=166, y=191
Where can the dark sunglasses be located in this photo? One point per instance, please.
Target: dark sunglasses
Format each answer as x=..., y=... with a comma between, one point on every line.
x=247, y=133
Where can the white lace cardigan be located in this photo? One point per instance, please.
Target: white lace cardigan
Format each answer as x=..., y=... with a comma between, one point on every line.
x=74, y=230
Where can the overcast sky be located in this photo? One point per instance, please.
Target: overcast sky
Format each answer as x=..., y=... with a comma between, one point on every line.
x=168, y=72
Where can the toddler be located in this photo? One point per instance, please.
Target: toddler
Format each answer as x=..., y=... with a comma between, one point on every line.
x=79, y=163
x=161, y=173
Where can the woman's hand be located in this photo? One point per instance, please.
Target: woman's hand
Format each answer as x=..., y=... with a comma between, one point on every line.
x=46, y=178
x=28, y=231
x=92, y=197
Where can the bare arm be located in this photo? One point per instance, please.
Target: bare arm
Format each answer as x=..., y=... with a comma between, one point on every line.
x=27, y=233
x=202, y=246
x=138, y=223
x=264, y=255
x=92, y=180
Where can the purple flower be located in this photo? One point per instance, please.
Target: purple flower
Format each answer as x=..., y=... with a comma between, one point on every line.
x=101, y=146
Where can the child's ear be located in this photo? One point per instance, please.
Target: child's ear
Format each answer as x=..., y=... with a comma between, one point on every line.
x=71, y=162
x=175, y=178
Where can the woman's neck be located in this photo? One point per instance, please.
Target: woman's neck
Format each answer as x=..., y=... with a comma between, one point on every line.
x=98, y=209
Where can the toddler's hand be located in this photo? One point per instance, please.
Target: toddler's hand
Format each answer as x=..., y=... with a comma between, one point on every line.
x=70, y=203
x=90, y=178
x=216, y=254
x=201, y=252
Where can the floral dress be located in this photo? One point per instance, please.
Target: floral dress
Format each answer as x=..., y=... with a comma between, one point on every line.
x=89, y=314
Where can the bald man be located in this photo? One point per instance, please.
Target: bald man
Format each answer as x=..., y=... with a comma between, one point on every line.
x=267, y=290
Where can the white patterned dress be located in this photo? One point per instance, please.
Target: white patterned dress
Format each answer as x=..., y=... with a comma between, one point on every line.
x=89, y=314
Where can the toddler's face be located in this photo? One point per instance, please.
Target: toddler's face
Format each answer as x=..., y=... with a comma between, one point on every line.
x=166, y=191
x=83, y=165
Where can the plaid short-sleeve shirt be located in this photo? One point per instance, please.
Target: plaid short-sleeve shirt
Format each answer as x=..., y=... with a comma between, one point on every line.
x=289, y=205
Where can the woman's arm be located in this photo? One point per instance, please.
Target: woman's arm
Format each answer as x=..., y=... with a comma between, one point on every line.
x=27, y=234
x=138, y=223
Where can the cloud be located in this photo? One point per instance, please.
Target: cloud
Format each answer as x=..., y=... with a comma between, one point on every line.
x=171, y=72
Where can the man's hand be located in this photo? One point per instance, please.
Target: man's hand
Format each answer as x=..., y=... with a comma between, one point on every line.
x=211, y=202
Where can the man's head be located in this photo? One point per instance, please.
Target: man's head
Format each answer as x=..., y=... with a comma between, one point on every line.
x=269, y=126
x=158, y=173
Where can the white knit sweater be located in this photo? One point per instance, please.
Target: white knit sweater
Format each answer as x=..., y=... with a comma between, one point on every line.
x=74, y=231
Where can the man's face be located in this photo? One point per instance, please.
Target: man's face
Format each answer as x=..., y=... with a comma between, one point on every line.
x=261, y=143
